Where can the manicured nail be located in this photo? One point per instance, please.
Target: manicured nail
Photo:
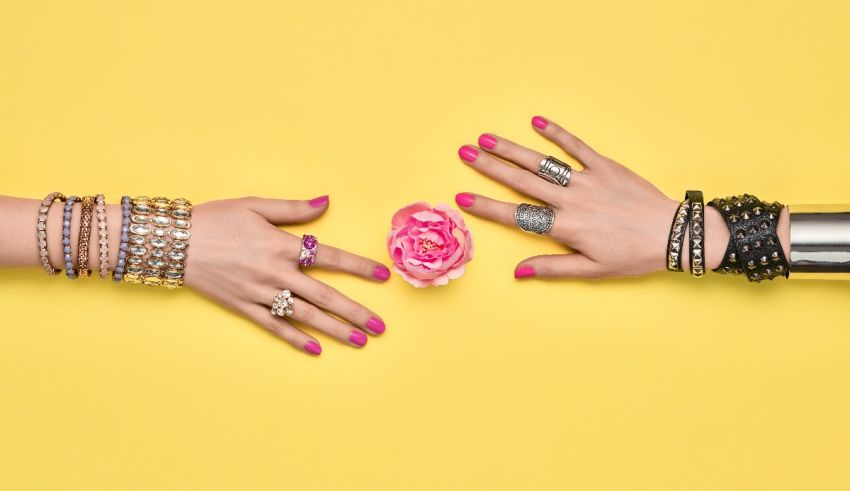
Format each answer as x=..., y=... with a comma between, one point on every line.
x=313, y=348
x=524, y=272
x=486, y=141
x=357, y=338
x=468, y=153
x=381, y=273
x=540, y=122
x=320, y=201
x=376, y=325
x=464, y=199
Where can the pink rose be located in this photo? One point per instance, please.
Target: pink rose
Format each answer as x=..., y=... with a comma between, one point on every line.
x=429, y=246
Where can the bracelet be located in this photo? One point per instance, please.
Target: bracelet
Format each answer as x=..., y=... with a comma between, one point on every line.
x=102, y=235
x=677, y=233
x=41, y=231
x=820, y=242
x=158, y=241
x=120, y=264
x=66, y=237
x=181, y=212
x=754, y=248
x=83, y=270
x=696, y=231
x=138, y=230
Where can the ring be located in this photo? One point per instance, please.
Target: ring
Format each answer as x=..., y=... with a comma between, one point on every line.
x=282, y=304
x=534, y=219
x=555, y=171
x=309, y=246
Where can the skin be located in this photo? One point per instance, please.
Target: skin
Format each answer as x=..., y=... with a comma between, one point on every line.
x=616, y=221
x=242, y=275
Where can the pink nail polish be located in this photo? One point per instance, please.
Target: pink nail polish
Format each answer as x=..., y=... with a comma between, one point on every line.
x=357, y=338
x=539, y=122
x=468, y=153
x=464, y=199
x=376, y=325
x=381, y=273
x=313, y=348
x=524, y=272
x=319, y=202
x=486, y=141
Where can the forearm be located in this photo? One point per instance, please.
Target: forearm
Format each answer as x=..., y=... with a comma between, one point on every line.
x=19, y=240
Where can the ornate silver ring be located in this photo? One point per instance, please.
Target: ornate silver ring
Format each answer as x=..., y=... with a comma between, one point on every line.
x=534, y=219
x=555, y=171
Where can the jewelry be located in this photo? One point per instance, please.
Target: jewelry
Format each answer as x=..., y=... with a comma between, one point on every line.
x=83, y=270
x=820, y=242
x=41, y=231
x=534, y=219
x=66, y=237
x=102, y=235
x=181, y=214
x=677, y=233
x=120, y=264
x=555, y=171
x=158, y=241
x=754, y=248
x=282, y=304
x=139, y=215
x=309, y=247
x=696, y=230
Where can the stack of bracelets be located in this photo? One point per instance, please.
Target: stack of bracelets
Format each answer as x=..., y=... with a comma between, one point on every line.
x=754, y=249
x=153, y=245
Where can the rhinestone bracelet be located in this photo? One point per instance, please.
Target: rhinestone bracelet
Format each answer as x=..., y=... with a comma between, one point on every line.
x=120, y=263
x=158, y=238
x=41, y=231
x=102, y=236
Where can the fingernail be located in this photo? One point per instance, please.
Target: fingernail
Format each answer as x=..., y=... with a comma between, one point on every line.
x=357, y=338
x=468, y=153
x=464, y=199
x=381, y=273
x=313, y=348
x=539, y=122
x=524, y=272
x=320, y=201
x=486, y=141
x=376, y=325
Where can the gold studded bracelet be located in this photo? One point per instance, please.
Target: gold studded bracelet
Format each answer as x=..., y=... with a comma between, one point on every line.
x=83, y=270
x=158, y=241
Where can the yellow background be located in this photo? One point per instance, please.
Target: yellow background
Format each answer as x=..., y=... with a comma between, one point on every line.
x=487, y=384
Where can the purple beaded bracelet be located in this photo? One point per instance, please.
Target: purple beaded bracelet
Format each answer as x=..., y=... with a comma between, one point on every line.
x=125, y=238
x=66, y=238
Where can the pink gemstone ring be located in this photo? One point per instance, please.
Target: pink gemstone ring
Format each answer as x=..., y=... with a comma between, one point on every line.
x=309, y=246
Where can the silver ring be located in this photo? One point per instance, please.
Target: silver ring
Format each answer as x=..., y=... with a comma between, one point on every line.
x=555, y=171
x=282, y=304
x=534, y=219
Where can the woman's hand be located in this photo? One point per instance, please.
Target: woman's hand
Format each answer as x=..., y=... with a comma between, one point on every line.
x=240, y=259
x=616, y=221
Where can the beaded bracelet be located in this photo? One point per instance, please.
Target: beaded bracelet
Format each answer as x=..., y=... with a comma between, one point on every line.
x=83, y=270
x=754, y=248
x=66, y=237
x=102, y=236
x=120, y=263
x=41, y=231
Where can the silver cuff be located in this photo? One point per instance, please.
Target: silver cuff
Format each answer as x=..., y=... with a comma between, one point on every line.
x=820, y=242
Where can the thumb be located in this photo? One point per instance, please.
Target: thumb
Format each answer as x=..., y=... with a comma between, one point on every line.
x=558, y=266
x=286, y=211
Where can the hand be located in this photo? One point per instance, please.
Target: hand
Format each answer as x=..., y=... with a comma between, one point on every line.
x=616, y=221
x=240, y=259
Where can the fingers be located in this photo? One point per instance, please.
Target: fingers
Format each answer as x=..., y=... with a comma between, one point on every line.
x=487, y=208
x=329, y=257
x=519, y=179
x=558, y=266
x=567, y=141
x=524, y=157
x=284, y=211
x=326, y=297
x=280, y=327
x=307, y=313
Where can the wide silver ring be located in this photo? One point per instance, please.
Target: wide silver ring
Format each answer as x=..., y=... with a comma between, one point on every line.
x=534, y=219
x=282, y=304
x=555, y=171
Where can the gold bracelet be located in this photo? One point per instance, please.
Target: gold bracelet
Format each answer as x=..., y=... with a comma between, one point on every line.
x=83, y=270
x=102, y=236
x=159, y=238
x=41, y=231
x=181, y=213
x=139, y=215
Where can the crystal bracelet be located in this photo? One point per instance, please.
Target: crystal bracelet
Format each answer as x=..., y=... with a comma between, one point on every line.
x=120, y=264
x=102, y=236
x=41, y=231
x=66, y=237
